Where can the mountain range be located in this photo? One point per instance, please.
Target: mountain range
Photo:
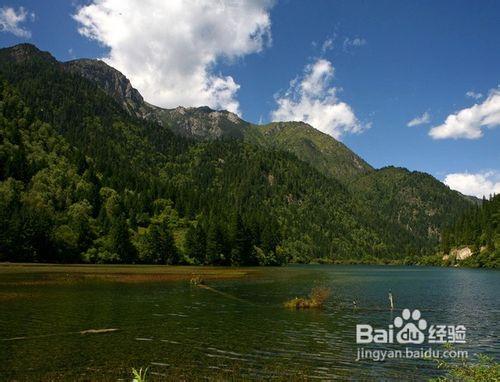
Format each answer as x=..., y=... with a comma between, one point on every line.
x=190, y=184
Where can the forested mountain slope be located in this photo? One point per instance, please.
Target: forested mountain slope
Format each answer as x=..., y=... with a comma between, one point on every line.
x=395, y=199
x=87, y=174
x=323, y=152
x=202, y=123
x=146, y=194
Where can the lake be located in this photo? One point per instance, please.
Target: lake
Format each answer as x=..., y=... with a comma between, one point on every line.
x=237, y=326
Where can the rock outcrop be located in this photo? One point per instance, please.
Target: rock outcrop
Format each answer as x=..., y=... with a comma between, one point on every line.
x=203, y=122
x=113, y=83
x=459, y=254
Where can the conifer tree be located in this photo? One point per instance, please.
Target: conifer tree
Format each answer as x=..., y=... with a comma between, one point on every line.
x=196, y=243
x=120, y=241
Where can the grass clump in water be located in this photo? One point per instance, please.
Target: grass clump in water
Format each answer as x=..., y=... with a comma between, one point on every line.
x=139, y=375
x=316, y=300
x=196, y=280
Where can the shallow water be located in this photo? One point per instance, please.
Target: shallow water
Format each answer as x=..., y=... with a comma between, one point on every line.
x=240, y=326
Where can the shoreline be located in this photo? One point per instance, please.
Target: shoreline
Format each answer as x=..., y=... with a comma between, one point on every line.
x=181, y=271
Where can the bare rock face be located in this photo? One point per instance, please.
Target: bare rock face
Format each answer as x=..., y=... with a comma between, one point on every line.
x=461, y=253
x=203, y=122
x=112, y=82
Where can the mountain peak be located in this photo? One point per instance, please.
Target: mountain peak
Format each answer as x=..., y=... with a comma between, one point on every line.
x=203, y=122
x=24, y=52
x=324, y=152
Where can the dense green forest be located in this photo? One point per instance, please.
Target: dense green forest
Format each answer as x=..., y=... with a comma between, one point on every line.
x=227, y=202
x=399, y=200
x=479, y=229
x=83, y=180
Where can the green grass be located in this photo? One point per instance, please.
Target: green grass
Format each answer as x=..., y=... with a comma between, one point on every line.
x=139, y=375
x=316, y=300
x=485, y=369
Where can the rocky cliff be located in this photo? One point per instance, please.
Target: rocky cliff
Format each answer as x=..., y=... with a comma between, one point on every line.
x=113, y=82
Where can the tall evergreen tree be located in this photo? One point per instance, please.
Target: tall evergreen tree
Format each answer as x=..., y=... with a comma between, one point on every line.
x=242, y=249
x=120, y=241
x=196, y=243
x=159, y=246
x=216, y=246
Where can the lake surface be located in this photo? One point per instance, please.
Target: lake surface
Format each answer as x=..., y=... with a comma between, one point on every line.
x=240, y=326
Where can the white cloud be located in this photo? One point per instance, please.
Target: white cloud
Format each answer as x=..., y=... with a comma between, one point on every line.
x=424, y=118
x=473, y=94
x=327, y=45
x=168, y=49
x=10, y=21
x=312, y=99
x=467, y=123
x=479, y=185
x=353, y=42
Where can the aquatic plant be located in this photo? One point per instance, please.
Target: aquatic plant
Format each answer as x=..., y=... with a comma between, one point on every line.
x=139, y=375
x=196, y=280
x=316, y=299
x=484, y=369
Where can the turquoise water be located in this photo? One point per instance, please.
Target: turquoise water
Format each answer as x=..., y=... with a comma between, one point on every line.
x=238, y=329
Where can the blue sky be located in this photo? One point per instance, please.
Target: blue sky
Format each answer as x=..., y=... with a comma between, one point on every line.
x=384, y=63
